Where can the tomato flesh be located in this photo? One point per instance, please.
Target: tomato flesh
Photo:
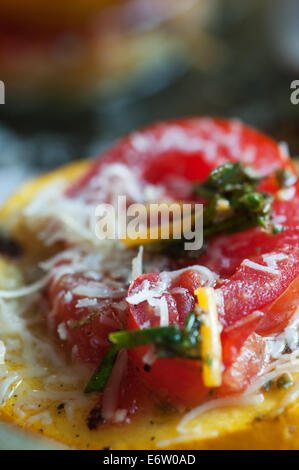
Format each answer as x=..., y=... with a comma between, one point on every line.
x=277, y=315
x=187, y=149
x=82, y=330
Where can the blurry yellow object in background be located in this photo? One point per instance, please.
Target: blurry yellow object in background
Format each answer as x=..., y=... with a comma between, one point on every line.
x=84, y=48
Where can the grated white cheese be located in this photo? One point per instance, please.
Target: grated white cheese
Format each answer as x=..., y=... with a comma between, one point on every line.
x=24, y=291
x=111, y=392
x=153, y=294
x=68, y=297
x=62, y=331
x=99, y=290
x=82, y=303
x=236, y=400
x=150, y=356
x=284, y=150
x=2, y=352
x=286, y=194
x=179, y=290
x=8, y=386
x=119, y=415
x=271, y=259
x=190, y=427
x=44, y=417
x=288, y=399
x=137, y=268
x=186, y=437
x=259, y=267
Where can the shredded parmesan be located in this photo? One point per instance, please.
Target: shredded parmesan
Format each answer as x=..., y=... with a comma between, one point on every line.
x=240, y=400
x=150, y=356
x=111, y=392
x=286, y=194
x=284, y=150
x=289, y=398
x=137, y=264
x=2, y=352
x=271, y=259
x=8, y=387
x=259, y=267
x=24, y=291
x=44, y=417
x=62, y=331
x=99, y=290
x=186, y=437
x=153, y=294
x=82, y=303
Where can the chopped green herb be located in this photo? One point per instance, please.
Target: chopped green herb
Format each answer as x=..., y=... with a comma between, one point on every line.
x=227, y=179
x=169, y=341
x=277, y=228
x=285, y=178
x=84, y=320
x=244, y=207
x=285, y=381
x=100, y=377
x=135, y=338
x=233, y=204
x=268, y=385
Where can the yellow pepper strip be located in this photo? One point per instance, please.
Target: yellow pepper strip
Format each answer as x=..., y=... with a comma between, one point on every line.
x=211, y=349
x=163, y=231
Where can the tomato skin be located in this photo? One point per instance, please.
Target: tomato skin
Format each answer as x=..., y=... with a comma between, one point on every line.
x=188, y=149
x=176, y=380
x=179, y=303
x=246, y=367
x=251, y=289
x=189, y=280
x=277, y=315
x=88, y=342
x=233, y=338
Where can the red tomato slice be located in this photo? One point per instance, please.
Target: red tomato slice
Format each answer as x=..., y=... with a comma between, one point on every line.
x=87, y=341
x=277, y=315
x=246, y=367
x=257, y=283
x=233, y=338
x=188, y=149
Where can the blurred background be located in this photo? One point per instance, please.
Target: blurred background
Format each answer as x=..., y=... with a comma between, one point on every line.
x=80, y=73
